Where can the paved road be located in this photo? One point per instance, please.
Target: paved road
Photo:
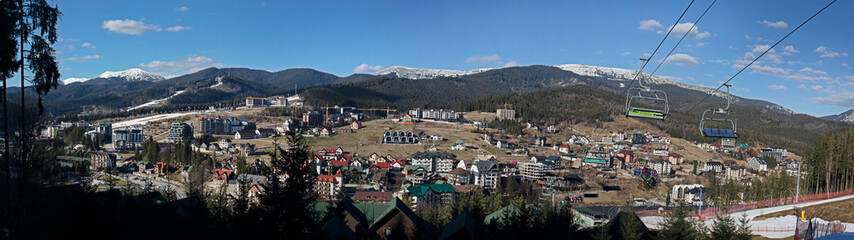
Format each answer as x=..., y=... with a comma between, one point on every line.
x=156, y=184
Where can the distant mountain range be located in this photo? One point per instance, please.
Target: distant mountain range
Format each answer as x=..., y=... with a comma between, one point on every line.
x=847, y=116
x=616, y=79
x=134, y=86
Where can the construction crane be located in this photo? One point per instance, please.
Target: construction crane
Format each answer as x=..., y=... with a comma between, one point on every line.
x=387, y=109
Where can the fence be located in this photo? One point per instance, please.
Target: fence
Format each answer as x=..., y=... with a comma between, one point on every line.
x=714, y=211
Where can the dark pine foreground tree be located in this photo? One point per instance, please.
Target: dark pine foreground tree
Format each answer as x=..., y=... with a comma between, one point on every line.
x=27, y=31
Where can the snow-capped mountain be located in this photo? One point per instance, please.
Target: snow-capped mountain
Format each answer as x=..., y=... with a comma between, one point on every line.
x=133, y=74
x=847, y=116
x=130, y=75
x=416, y=73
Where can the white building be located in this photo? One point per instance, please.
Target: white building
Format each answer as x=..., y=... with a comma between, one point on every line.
x=693, y=194
x=435, y=162
x=485, y=174
x=757, y=164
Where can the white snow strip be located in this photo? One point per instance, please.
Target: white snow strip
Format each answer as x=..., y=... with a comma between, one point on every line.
x=154, y=102
x=144, y=120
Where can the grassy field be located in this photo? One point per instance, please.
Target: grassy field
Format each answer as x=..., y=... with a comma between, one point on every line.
x=368, y=140
x=829, y=211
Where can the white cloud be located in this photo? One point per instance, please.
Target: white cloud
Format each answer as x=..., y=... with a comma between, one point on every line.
x=768, y=70
x=749, y=55
x=777, y=24
x=827, y=53
x=702, y=35
x=182, y=9
x=845, y=65
x=682, y=59
x=761, y=48
x=709, y=75
x=365, y=68
x=263, y=4
x=812, y=71
x=682, y=28
x=804, y=78
x=699, y=44
x=650, y=24
x=774, y=58
x=777, y=87
x=483, y=59
x=816, y=87
x=625, y=53
x=129, y=27
x=191, y=64
x=510, y=64
x=845, y=99
x=83, y=58
x=178, y=28
x=803, y=86
x=789, y=50
x=794, y=62
x=720, y=61
x=88, y=45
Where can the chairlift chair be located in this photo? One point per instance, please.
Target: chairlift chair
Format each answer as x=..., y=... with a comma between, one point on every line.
x=720, y=115
x=647, y=93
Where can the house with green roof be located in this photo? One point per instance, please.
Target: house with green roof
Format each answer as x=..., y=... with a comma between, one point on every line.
x=390, y=220
x=431, y=195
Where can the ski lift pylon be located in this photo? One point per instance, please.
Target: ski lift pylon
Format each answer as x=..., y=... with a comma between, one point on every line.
x=643, y=92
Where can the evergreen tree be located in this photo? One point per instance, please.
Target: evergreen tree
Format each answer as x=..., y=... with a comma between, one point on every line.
x=631, y=227
x=677, y=226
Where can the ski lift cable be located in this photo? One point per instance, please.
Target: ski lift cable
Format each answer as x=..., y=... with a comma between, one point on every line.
x=683, y=37
x=760, y=56
x=659, y=45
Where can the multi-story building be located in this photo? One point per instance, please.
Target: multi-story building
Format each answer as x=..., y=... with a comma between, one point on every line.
x=505, y=114
x=713, y=166
x=220, y=125
x=440, y=114
x=400, y=137
x=485, y=174
x=312, y=118
x=179, y=132
x=102, y=160
x=327, y=186
x=280, y=101
x=106, y=131
x=127, y=138
x=693, y=194
x=758, y=164
x=257, y=102
x=435, y=162
x=776, y=152
x=532, y=170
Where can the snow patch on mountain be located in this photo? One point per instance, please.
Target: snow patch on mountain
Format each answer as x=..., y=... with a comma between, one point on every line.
x=73, y=80
x=847, y=116
x=218, y=82
x=131, y=75
x=416, y=73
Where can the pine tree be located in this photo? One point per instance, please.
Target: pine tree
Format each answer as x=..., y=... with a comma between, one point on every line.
x=676, y=226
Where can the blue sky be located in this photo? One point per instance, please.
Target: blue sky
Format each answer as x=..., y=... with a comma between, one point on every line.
x=811, y=72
